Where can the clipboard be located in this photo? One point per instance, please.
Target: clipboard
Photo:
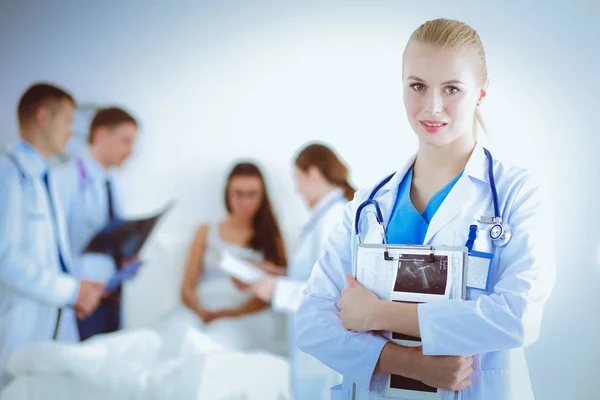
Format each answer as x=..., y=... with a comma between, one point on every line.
x=411, y=273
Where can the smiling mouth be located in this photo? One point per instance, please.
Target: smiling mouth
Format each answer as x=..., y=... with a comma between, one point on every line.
x=433, y=124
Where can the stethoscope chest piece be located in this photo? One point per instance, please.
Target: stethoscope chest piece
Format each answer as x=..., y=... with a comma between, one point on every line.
x=500, y=234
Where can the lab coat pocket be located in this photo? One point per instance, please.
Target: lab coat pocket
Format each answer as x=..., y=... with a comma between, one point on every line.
x=482, y=243
x=33, y=209
x=34, y=226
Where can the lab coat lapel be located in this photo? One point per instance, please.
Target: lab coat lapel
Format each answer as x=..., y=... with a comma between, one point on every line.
x=62, y=236
x=462, y=194
x=386, y=197
x=458, y=199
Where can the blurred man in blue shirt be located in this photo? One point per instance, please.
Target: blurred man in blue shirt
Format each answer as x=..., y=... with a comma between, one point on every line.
x=91, y=199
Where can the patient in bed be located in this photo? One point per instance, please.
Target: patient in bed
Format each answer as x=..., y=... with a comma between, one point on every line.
x=195, y=350
x=212, y=301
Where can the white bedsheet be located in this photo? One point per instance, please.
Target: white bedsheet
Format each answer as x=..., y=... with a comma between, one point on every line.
x=133, y=365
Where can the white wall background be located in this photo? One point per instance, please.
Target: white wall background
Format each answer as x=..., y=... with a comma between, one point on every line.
x=215, y=81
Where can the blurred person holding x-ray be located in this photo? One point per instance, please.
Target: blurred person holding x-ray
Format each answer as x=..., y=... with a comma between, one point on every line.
x=322, y=181
x=90, y=200
x=38, y=291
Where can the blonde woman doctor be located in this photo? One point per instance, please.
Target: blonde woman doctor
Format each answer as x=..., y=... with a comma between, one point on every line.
x=474, y=346
x=322, y=180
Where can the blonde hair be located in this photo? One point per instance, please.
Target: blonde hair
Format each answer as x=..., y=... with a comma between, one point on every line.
x=455, y=35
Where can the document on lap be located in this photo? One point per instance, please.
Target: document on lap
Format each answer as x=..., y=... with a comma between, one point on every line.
x=239, y=268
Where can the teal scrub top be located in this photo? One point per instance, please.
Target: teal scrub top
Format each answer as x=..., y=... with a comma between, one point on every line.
x=407, y=225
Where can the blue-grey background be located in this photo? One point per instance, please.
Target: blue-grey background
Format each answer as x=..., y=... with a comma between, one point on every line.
x=213, y=81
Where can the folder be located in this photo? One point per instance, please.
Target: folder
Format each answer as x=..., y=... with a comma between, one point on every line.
x=125, y=237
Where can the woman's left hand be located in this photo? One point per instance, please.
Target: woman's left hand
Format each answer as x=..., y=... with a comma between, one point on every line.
x=357, y=306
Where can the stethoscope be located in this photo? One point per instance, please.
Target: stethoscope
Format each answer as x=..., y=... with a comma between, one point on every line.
x=500, y=232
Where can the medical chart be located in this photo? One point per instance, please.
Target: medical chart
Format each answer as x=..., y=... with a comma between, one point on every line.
x=412, y=274
x=239, y=268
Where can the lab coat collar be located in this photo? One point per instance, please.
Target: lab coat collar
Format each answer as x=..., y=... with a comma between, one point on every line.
x=394, y=183
x=457, y=199
x=461, y=194
x=31, y=161
x=386, y=196
x=321, y=208
x=325, y=201
x=94, y=171
x=477, y=166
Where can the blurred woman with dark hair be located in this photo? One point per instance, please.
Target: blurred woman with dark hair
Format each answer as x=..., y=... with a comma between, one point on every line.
x=227, y=312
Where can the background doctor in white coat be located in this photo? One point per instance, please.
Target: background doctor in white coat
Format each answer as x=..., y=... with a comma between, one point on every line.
x=474, y=346
x=322, y=180
x=35, y=278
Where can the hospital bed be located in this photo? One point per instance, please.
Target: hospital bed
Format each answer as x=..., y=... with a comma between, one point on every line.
x=136, y=363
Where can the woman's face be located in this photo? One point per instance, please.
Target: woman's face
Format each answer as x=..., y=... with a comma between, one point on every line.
x=245, y=195
x=441, y=92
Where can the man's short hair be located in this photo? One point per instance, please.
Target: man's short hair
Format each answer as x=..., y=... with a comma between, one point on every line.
x=38, y=95
x=109, y=118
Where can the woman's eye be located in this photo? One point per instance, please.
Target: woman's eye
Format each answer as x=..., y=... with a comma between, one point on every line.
x=418, y=87
x=451, y=90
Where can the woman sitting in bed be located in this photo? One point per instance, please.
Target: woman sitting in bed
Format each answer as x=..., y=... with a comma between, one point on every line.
x=216, y=303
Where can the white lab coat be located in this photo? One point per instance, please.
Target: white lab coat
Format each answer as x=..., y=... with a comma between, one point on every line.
x=81, y=183
x=309, y=378
x=495, y=326
x=32, y=284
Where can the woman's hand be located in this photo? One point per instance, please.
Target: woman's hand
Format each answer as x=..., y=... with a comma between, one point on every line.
x=357, y=306
x=264, y=288
x=444, y=372
x=239, y=284
x=126, y=261
x=206, y=315
x=271, y=268
x=225, y=313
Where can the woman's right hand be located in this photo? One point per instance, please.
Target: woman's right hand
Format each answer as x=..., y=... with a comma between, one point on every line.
x=264, y=288
x=206, y=315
